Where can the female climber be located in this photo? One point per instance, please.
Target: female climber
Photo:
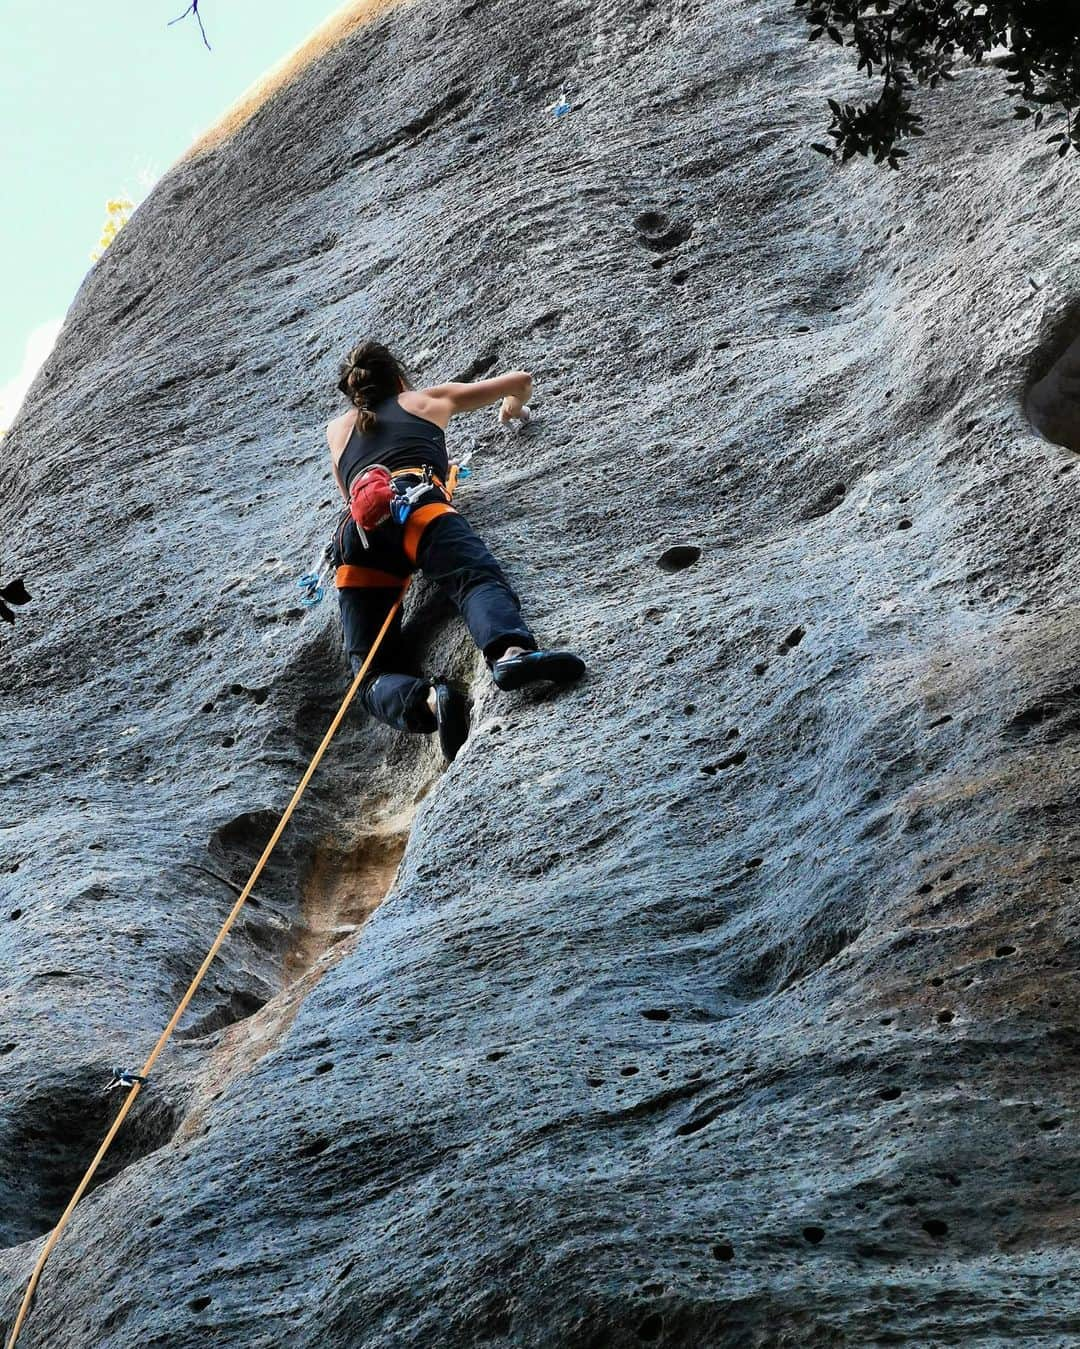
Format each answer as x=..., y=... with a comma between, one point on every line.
x=392, y=425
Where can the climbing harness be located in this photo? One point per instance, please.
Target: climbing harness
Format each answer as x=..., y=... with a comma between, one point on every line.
x=375, y=496
x=134, y=1082
x=371, y=503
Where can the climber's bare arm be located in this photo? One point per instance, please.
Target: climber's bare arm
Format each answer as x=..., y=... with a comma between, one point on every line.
x=514, y=388
x=336, y=440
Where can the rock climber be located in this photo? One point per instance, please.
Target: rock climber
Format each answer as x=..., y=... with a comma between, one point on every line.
x=402, y=429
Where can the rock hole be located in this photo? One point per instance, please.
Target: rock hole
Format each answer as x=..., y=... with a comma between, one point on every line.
x=1049, y=1124
x=313, y=1148
x=1052, y=403
x=651, y=1328
x=814, y=1234
x=935, y=1227
x=6, y=1049
x=678, y=557
x=732, y=761
x=1004, y=950
x=595, y=1081
x=825, y=503
x=629, y=1070
x=648, y=222
x=723, y=1250
x=324, y=1068
x=238, y=1006
x=208, y=707
x=656, y=1014
x=496, y=1055
x=792, y=640
x=944, y=1016
x=657, y=233
x=200, y=1304
x=15, y=913
x=680, y=277
x=904, y=524
x=890, y=1093
x=761, y=667
x=754, y=862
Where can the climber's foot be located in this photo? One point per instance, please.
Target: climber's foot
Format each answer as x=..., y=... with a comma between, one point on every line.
x=452, y=714
x=512, y=671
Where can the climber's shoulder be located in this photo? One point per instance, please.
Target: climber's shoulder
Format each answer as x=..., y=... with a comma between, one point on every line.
x=426, y=404
x=338, y=430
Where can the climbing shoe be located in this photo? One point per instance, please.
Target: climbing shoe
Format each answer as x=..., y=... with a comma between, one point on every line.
x=452, y=715
x=511, y=672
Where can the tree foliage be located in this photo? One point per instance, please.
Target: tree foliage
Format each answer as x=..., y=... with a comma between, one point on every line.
x=118, y=213
x=906, y=43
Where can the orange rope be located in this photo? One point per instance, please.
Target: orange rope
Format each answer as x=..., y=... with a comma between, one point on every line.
x=166, y=1034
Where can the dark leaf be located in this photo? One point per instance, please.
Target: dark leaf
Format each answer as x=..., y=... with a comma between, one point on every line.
x=15, y=592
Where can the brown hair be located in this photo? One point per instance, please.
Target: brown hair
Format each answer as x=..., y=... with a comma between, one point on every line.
x=369, y=374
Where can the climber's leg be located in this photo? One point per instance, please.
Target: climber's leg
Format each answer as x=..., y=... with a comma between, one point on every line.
x=451, y=553
x=399, y=700
x=369, y=581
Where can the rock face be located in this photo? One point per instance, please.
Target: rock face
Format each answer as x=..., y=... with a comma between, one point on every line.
x=727, y=999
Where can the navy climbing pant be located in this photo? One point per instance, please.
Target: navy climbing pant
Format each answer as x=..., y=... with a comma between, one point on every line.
x=456, y=558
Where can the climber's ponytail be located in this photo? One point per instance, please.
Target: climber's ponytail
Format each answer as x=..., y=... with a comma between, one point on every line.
x=369, y=374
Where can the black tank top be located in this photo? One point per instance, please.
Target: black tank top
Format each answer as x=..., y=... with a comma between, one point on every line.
x=400, y=440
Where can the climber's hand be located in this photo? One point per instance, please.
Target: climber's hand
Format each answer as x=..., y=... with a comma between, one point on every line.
x=510, y=409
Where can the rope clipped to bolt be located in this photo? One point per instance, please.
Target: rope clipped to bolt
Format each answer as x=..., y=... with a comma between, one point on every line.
x=135, y=1081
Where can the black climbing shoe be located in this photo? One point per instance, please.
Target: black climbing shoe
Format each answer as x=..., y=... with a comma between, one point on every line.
x=452, y=714
x=511, y=672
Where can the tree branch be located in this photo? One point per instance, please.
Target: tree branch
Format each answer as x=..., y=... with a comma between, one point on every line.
x=193, y=8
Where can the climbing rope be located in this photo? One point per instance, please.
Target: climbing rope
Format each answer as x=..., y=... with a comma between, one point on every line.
x=135, y=1081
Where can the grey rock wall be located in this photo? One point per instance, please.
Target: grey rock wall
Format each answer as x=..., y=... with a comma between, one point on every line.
x=725, y=1000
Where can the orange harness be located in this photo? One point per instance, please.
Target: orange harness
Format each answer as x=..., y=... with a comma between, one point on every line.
x=415, y=525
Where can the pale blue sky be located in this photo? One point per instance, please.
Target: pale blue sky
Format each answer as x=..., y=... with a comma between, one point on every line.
x=97, y=99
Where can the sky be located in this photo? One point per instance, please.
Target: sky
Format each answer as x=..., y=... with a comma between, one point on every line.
x=97, y=99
